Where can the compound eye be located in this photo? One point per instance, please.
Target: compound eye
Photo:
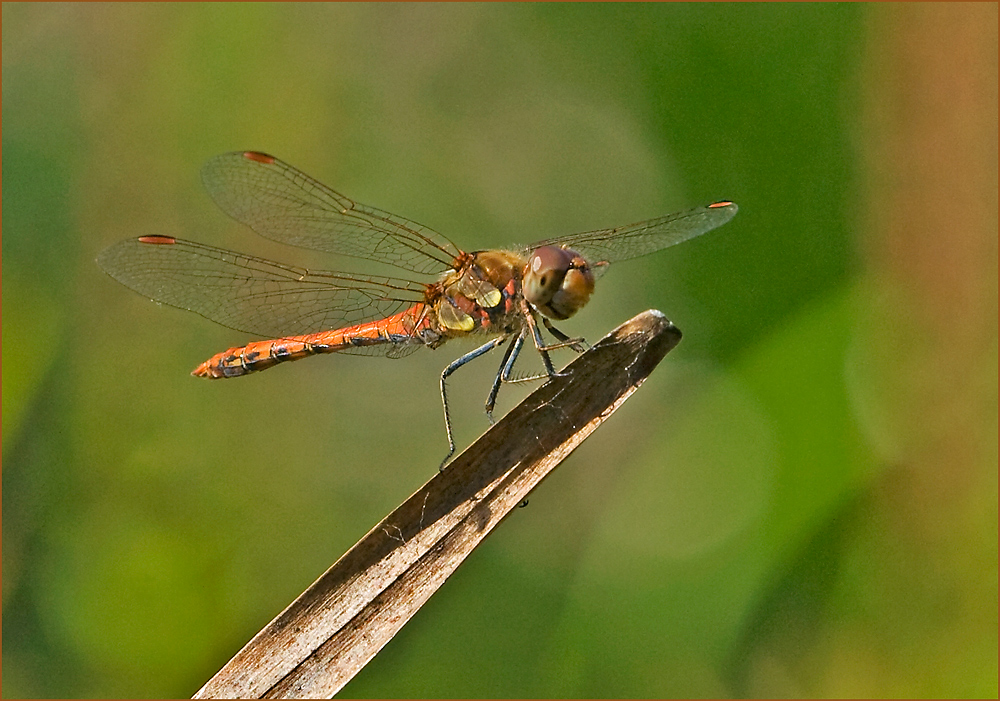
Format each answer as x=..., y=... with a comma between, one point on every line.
x=574, y=293
x=544, y=275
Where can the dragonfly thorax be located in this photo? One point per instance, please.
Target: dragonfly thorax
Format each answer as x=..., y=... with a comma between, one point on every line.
x=557, y=281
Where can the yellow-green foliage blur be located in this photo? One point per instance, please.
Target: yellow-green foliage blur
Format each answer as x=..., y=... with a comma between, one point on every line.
x=801, y=501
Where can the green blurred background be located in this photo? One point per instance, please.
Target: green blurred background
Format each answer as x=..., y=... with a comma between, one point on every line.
x=801, y=501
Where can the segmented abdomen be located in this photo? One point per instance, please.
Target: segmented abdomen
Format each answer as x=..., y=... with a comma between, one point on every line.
x=412, y=326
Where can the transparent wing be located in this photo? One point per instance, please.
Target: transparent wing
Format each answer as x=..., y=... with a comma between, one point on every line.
x=282, y=203
x=634, y=240
x=251, y=294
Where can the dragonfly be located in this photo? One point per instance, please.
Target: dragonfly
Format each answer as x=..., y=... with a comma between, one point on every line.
x=448, y=293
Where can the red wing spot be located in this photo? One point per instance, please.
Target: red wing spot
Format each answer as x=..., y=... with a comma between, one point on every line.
x=157, y=239
x=718, y=205
x=258, y=156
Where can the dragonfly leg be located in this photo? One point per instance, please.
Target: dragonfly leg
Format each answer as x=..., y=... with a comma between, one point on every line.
x=536, y=334
x=503, y=374
x=452, y=367
x=577, y=344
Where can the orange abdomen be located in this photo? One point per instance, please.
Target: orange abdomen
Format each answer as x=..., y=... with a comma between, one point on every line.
x=410, y=326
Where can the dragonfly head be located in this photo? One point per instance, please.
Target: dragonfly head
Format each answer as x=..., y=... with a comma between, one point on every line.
x=557, y=281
